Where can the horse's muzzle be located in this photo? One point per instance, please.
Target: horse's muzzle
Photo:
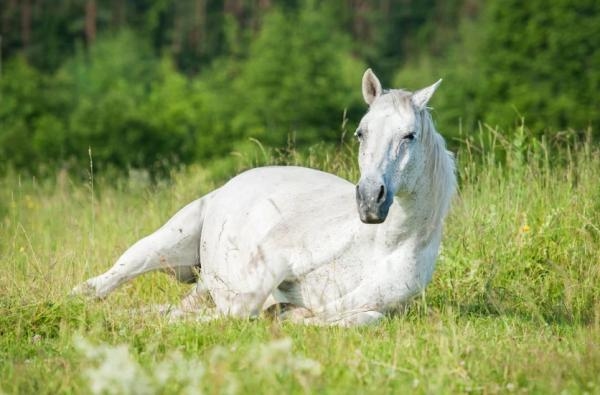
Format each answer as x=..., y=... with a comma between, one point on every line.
x=373, y=200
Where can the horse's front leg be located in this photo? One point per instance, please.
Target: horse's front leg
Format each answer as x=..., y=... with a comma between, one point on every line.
x=363, y=306
x=348, y=318
x=174, y=245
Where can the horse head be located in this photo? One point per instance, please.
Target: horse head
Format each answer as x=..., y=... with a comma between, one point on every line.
x=391, y=153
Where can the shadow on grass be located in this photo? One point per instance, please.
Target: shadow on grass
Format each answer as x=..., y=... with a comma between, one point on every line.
x=498, y=304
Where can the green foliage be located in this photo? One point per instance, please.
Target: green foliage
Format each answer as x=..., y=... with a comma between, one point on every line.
x=298, y=79
x=117, y=99
x=457, y=97
x=537, y=65
x=119, y=112
x=295, y=83
x=517, y=61
x=32, y=130
x=16, y=118
x=133, y=111
x=197, y=81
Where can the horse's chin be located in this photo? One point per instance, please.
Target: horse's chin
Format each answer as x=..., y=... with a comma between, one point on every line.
x=374, y=214
x=369, y=218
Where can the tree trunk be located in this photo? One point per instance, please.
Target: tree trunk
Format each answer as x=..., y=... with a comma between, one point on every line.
x=178, y=28
x=90, y=21
x=8, y=13
x=236, y=9
x=117, y=14
x=360, y=24
x=198, y=34
x=264, y=5
x=25, y=24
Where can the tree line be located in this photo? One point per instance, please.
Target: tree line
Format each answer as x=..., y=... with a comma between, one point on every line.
x=147, y=84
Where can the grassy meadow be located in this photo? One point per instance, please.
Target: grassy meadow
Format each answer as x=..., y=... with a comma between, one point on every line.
x=514, y=305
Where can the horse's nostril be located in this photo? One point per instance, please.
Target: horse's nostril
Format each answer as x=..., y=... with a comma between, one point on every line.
x=381, y=194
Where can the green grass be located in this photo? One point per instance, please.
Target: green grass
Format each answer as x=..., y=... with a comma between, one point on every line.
x=514, y=305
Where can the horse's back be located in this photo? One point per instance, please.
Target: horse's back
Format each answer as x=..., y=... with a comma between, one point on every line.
x=294, y=179
x=274, y=214
x=263, y=198
x=284, y=190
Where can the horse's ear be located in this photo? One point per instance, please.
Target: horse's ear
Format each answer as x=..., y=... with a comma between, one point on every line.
x=422, y=96
x=371, y=87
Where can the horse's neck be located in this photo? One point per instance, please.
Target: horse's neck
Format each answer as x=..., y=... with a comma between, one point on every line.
x=411, y=222
x=418, y=216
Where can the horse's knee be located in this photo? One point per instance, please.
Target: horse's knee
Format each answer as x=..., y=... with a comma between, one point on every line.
x=184, y=274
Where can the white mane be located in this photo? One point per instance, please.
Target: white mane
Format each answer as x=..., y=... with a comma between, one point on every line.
x=440, y=169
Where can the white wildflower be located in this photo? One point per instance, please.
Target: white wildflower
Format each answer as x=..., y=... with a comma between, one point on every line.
x=277, y=356
x=185, y=372
x=116, y=373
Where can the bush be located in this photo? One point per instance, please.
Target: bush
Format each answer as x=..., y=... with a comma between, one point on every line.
x=32, y=106
x=117, y=99
x=518, y=60
x=536, y=65
x=116, y=112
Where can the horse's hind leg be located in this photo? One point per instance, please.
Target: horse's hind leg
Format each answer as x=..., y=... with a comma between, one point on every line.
x=175, y=244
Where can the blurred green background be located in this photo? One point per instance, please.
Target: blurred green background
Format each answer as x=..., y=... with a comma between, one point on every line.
x=156, y=84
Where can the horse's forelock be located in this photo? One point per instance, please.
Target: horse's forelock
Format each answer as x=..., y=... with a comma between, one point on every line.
x=398, y=99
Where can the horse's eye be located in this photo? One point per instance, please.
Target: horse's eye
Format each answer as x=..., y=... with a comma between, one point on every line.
x=359, y=134
x=409, y=136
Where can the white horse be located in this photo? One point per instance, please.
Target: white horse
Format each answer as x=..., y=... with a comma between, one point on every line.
x=292, y=236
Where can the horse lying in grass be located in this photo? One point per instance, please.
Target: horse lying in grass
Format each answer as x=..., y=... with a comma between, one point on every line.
x=292, y=235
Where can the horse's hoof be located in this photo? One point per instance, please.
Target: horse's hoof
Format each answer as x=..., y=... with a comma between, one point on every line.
x=296, y=314
x=85, y=290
